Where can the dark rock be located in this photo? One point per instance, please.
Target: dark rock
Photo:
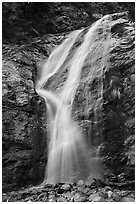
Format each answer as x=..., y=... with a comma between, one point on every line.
x=60, y=190
x=24, y=153
x=4, y=198
x=59, y=17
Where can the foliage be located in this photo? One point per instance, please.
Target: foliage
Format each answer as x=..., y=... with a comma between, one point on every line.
x=22, y=20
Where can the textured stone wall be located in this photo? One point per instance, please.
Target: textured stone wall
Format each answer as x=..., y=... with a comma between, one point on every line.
x=24, y=145
x=119, y=98
x=108, y=120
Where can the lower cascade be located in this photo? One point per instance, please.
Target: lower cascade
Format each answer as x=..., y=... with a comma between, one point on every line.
x=68, y=155
x=67, y=148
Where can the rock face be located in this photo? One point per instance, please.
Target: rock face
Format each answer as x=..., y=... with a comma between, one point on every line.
x=119, y=96
x=114, y=127
x=24, y=113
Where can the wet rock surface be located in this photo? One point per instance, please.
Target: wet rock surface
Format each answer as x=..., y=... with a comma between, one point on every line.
x=70, y=193
x=24, y=112
x=109, y=122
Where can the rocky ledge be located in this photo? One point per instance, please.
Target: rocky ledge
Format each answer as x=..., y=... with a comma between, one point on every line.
x=89, y=191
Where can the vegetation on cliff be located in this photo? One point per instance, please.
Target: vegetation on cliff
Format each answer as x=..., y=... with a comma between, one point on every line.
x=22, y=20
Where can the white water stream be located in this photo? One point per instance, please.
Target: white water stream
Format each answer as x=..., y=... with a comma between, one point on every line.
x=68, y=153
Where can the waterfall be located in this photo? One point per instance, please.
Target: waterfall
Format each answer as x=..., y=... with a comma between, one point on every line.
x=68, y=154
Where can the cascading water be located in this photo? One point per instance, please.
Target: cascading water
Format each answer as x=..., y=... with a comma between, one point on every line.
x=68, y=153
